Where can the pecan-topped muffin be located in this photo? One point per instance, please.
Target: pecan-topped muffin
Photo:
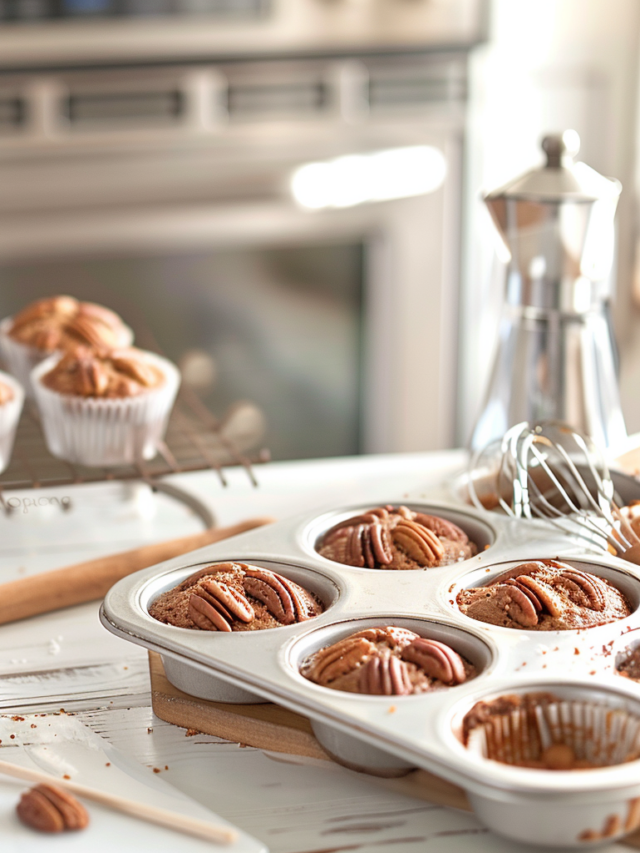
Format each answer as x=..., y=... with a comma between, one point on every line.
x=387, y=661
x=104, y=408
x=390, y=537
x=54, y=325
x=60, y=322
x=545, y=595
x=103, y=373
x=235, y=597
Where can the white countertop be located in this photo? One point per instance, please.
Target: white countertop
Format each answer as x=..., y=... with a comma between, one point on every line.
x=67, y=660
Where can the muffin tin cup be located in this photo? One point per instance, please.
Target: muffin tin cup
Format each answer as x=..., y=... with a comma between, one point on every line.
x=210, y=687
x=205, y=685
x=356, y=754
x=20, y=359
x=599, y=725
x=556, y=823
x=417, y=730
x=105, y=432
x=343, y=747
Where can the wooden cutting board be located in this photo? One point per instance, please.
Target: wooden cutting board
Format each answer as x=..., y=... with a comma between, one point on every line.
x=268, y=726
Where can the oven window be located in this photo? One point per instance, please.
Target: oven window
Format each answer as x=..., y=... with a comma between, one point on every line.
x=281, y=327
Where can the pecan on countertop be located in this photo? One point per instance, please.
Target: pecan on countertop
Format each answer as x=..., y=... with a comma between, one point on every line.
x=51, y=809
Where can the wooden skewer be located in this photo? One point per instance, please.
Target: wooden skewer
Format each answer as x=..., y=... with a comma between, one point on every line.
x=92, y=579
x=171, y=820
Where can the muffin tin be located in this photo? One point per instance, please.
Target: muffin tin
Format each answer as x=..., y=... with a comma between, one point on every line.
x=389, y=735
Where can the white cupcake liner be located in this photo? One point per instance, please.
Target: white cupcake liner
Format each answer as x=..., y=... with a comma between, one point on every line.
x=105, y=432
x=9, y=417
x=20, y=359
x=597, y=733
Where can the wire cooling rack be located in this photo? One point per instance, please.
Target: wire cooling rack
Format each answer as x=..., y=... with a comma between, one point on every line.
x=195, y=440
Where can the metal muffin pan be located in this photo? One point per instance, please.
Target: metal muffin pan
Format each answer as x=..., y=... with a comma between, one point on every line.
x=389, y=735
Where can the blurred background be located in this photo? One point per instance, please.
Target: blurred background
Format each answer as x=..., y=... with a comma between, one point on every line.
x=284, y=196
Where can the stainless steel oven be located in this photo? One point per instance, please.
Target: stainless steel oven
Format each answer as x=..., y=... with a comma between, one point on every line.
x=287, y=230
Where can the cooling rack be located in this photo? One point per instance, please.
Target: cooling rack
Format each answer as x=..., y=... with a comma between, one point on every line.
x=195, y=440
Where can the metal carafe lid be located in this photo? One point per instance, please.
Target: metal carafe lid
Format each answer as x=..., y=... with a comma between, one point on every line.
x=560, y=179
x=557, y=223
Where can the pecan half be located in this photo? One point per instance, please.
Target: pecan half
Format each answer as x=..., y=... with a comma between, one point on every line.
x=516, y=604
x=45, y=339
x=92, y=377
x=207, y=616
x=50, y=809
x=232, y=601
x=341, y=658
x=418, y=542
x=101, y=314
x=385, y=676
x=64, y=306
x=89, y=331
x=367, y=548
x=380, y=545
x=355, y=549
x=282, y=598
x=436, y=659
x=591, y=586
x=528, y=592
x=136, y=368
x=361, y=541
x=544, y=593
x=441, y=527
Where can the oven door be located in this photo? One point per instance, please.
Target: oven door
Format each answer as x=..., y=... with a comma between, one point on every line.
x=339, y=321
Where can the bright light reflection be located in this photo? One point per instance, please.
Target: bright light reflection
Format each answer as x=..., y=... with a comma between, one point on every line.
x=359, y=178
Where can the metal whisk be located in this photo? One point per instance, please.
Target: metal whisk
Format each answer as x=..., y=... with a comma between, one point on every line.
x=554, y=473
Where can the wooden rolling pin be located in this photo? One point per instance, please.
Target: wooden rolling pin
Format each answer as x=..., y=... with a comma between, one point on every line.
x=91, y=580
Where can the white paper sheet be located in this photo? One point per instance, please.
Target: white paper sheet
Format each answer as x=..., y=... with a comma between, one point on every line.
x=63, y=745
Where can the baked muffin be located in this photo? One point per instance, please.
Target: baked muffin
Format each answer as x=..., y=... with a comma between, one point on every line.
x=105, y=407
x=235, y=597
x=11, y=401
x=545, y=595
x=387, y=661
x=390, y=537
x=55, y=325
x=106, y=374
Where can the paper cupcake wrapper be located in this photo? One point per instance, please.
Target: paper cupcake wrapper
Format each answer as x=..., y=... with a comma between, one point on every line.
x=105, y=432
x=597, y=733
x=20, y=359
x=9, y=417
